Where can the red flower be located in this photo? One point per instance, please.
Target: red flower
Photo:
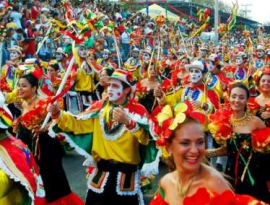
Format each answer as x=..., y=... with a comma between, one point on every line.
x=261, y=139
x=202, y=197
x=158, y=200
x=253, y=106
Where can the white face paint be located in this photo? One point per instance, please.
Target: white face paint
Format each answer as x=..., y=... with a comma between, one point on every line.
x=115, y=90
x=239, y=61
x=260, y=53
x=135, y=54
x=195, y=75
x=210, y=66
x=14, y=55
x=145, y=57
x=105, y=56
x=59, y=56
x=203, y=53
x=82, y=52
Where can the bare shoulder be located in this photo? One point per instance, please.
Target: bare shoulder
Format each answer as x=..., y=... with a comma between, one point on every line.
x=167, y=181
x=214, y=180
x=257, y=123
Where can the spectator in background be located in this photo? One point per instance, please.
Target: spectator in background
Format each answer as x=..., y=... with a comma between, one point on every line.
x=125, y=42
x=30, y=40
x=16, y=16
x=35, y=11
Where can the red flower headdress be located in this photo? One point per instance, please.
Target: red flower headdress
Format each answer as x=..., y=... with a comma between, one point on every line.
x=166, y=119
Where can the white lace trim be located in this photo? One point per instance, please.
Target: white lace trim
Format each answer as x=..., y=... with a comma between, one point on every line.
x=140, y=197
x=151, y=168
x=94, y=189
x=40, y=187
x=115, y=136
x=152, y=130
x=135, y=129
x=16, y=179
x=128, y=193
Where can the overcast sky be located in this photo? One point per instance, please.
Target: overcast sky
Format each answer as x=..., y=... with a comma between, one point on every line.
x=260, y=9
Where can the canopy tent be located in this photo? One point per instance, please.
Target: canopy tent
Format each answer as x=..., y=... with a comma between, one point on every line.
x=156, y=10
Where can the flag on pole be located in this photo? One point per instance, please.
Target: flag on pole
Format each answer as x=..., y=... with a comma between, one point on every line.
x=232, y=19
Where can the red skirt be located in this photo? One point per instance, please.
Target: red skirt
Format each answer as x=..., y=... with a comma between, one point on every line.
x=71, y=199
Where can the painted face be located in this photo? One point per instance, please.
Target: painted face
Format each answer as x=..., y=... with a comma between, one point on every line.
x=105, y=56
x=260, y=53
x=14, y=55
x=210, y=66
x=179, y=54
x=239, y=61
x=203, y=53
x=195, y=75
x=265, y=83
x=82, y=52
x=238, y=99
x=25, y=90
x=188, y=147
x=135, y=54
x=115, y=90
x=59, y=56
x=146, y=57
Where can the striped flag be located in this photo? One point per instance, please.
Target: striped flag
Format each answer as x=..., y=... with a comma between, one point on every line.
x=232, y=19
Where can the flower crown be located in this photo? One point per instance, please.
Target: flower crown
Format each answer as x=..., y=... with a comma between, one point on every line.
x=260, y=72
x=167, y=119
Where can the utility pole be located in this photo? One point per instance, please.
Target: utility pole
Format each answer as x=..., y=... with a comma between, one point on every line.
x=246, y=11
x=216, y=22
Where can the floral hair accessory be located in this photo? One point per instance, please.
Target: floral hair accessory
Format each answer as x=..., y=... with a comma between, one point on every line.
x=167, y=119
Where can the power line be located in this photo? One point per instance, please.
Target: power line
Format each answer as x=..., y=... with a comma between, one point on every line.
x=246, y=11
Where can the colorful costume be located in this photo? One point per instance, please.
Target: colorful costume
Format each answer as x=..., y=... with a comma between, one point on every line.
x=20, y=182
x=48, y=155
x=248, y=156
x=204, y=196
x=113, y=152
x=257, y=110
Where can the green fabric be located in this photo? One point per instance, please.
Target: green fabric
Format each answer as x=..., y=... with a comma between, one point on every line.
x=26, y=200
x=162, y=193
x=84, y=141
x=148, y=153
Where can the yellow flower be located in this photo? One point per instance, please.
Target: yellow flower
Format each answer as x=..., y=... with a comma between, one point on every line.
x=179, y=118
x=165, y=114
x=180, y=107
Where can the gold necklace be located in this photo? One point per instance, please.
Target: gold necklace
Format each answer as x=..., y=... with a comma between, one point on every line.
x=31, y=100
x=241, y=121
x=183, y=191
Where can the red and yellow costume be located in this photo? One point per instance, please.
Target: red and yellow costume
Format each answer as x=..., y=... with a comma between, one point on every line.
x=101, y=140
x=204, y=196
x=248, y=155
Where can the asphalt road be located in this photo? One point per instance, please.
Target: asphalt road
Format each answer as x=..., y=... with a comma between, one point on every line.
x=77, y=176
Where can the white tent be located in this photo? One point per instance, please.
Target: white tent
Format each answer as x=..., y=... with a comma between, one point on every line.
x=156, y=10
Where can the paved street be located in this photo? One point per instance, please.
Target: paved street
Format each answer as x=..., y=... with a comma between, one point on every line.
x=76, y=175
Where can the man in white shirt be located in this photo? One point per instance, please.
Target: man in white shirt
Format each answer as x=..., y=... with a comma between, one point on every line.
x=125, y=41
x=16, y=16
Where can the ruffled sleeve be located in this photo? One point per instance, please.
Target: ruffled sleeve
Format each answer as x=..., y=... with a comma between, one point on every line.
x=261, y=140
x=159, y=198
x=220, y=127
x=253, y=106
